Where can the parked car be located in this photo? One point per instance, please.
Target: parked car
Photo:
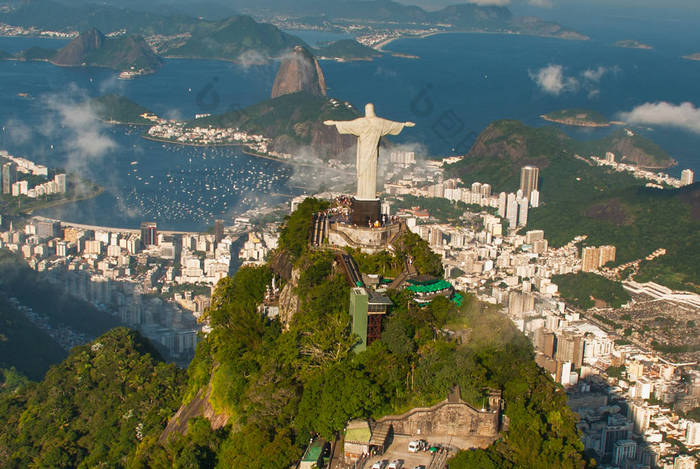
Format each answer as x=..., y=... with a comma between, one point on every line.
x=419, y=467
x=395, y=464
x=417, y=445
x=380, y=464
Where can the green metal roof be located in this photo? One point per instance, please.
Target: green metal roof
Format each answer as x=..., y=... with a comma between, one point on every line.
x=313, y=452
x=433, y=287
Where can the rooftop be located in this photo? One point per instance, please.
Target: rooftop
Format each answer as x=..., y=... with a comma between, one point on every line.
x=358, y=431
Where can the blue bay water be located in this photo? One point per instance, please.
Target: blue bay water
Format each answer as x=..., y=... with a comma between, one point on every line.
x=459, y=84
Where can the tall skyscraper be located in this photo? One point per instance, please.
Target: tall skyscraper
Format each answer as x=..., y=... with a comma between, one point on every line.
x=590, y=257
x=528, y=180
x=687, y=177
x=535, y=198
x=218, y=230
x=9, y=175
x=149, y=233
x=607, y=254
x=61, y=183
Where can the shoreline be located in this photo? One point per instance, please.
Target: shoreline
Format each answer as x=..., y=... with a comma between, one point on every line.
x=245, y=149
x=380, y=46
x=58, y=203
x=145, y=136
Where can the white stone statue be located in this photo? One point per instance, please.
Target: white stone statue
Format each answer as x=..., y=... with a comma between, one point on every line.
x=368, y=130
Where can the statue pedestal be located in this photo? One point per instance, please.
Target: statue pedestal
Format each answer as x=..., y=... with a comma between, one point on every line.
x=365, y=211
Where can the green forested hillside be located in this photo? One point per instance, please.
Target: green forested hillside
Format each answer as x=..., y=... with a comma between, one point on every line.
x=92, y=409
x=278, y=386
x=580, y=289
x=115, y=108
x=297, y=116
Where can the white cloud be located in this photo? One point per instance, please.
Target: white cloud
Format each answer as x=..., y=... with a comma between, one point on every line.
x=551, y=79
x=595, y=74
x=490, y=2
x=683, y=116
x=71, y=121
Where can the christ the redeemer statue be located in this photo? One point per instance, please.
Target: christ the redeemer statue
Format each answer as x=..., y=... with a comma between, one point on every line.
x=368, y=130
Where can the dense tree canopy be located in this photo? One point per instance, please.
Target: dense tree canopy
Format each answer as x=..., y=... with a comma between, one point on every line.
x=93, y=408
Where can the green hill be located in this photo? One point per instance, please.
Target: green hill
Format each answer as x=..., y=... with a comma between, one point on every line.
x=239, y=38
x=579, y=198
x=36, y=53
x=347, y=49
x=504, y=146
x=119, y=109
x=108, y=402
x=277, y=386
x=91, y=410
x=629, y=147
x=292, y=120
x=93, y=48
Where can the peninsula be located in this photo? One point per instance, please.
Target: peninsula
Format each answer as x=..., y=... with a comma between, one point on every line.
x=577, y=117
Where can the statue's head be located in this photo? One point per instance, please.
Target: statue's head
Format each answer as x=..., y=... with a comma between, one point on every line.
x=369, y=110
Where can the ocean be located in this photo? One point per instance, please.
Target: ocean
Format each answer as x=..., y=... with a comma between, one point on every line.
x=458, y=85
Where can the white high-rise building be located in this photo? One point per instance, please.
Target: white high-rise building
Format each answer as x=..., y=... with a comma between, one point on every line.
x=535, y=198
x=522, y=212
x=692, y=434
x=687, y=177
x=512, y=210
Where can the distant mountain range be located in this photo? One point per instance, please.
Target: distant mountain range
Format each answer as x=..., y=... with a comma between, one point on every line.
x=146, y=20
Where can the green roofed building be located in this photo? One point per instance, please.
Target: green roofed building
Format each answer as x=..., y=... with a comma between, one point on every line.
x=314, y=455
x=425, y=291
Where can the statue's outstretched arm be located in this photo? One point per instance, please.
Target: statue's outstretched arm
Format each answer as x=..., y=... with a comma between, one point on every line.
x=329, y=122
x=409, y=124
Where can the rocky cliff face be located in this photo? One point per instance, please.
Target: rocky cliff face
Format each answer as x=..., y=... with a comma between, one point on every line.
x=299, y=71
x=289, y=301
x=78, y=50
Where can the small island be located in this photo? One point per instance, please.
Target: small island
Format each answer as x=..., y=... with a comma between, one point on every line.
x=577, y=117
x=695, y=56
x=347, y=50
x=115, y=109
x=632, y=44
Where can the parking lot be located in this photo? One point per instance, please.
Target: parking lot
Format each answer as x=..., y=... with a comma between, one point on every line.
x=399, y=450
